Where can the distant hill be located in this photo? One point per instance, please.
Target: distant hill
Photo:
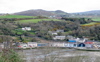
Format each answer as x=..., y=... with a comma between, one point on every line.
x=40, y=12
x=60, y=13
x=91, y=12
x=1, y=14
x=94, y=13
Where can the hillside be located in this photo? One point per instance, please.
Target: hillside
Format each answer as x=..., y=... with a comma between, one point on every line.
x=94, y=13
x=60, y=13
x=15, y=16
x=36, y=20
x=40, y=12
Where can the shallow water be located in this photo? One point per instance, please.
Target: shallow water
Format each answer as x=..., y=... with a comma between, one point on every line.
x=59, y=55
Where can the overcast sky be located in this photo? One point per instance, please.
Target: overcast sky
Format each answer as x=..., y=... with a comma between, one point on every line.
x=70, y=6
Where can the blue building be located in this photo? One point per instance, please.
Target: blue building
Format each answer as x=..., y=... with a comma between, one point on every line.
x=71, y=41
x=71, y=45
x=42, y=44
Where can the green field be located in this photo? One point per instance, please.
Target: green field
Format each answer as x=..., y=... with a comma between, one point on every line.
x=67, y=32
x=96, y=19
x=36, y=20
x=15, y=16
x=21, y=32
x=90, y=24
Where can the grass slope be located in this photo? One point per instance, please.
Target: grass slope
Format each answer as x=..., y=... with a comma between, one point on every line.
x=90, y=24
x=15, y=16
x=96, y=19
x=36, y=20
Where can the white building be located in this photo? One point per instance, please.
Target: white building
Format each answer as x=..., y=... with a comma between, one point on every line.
x=53, y=32
x=26, y=28
x=32, y=44
x=80, y=40
x=1, y=45
x=59, y=37
x=59, y=30
x=70, y=44
x=70, y=37
x=23, y=46
x=57, y=44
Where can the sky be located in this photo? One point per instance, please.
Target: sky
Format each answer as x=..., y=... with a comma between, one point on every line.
x=69, y=6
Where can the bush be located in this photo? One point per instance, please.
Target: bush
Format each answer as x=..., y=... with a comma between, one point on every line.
x=10, y=56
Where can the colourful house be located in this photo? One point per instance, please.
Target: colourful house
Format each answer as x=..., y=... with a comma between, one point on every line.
x=32, y=44
x=71, y=43
x=42, y=44
x=57, y=44
x=92, y=44
x=81, y=45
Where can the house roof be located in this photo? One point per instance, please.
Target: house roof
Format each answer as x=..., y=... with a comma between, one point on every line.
x=91, y=41
x=71, y=41
x=88, y=42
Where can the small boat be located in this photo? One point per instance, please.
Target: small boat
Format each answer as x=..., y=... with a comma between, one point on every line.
x=87, y=49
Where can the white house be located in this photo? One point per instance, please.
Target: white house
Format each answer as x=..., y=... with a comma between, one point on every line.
x=1, y=45
x=32, y=44
x=80, y=40
x=70, y=37
x=53, y=32
x=70, y=44
x=26, y=28
x=59, y=37
x=57, y=44
x=59, y=30
x=23, y=45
